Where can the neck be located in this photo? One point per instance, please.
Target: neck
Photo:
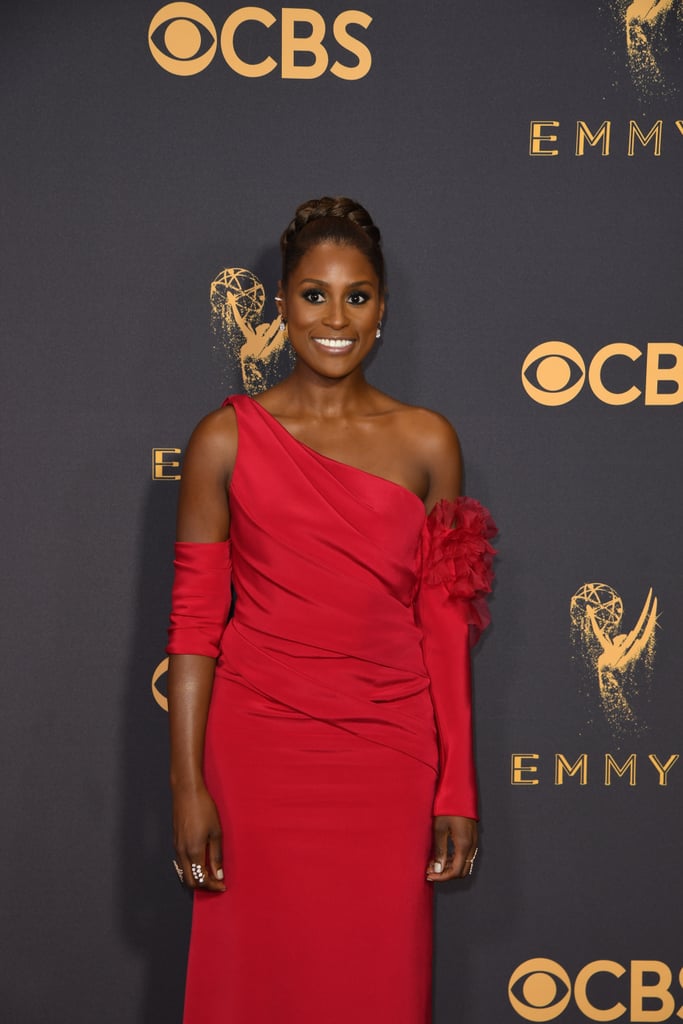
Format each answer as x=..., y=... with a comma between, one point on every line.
x=310, y=394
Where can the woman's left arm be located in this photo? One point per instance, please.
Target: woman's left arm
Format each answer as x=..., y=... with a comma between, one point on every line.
x=445, y=622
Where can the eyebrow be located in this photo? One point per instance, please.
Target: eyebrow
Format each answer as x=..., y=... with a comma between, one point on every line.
x=353, y=284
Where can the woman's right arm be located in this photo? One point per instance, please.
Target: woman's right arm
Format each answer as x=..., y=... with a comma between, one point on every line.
x=200, y=605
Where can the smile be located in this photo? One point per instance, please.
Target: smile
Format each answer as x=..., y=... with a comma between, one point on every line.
x=335, y=344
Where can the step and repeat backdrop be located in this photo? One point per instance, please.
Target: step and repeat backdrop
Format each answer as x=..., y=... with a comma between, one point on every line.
x=524, y=162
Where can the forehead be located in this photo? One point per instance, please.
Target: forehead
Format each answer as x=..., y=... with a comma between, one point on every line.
x=335, y=262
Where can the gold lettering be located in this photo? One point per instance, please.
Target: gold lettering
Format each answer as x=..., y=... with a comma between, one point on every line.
x=585, y=135
x=655, y=133
x=237, y=18
x=312, y=43
x=563, y=767
x=655, y=373
x=353, y=45
x=663, y=769
x=537, y=138
x=629, y=766
x=581, y=990
x=163, y=464
x=520, y=769
x=595, y=374
x=679, y=125
x=659, y=991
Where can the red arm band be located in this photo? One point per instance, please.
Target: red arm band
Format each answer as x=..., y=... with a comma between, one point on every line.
x=200, y=600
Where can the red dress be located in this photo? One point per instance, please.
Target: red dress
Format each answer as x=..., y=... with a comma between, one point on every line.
x=322, y=751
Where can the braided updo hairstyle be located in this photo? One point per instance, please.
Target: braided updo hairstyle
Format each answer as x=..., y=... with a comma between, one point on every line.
x=331, y=219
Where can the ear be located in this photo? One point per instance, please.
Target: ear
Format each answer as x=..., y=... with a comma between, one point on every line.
x=381, y=308
x=280, y=301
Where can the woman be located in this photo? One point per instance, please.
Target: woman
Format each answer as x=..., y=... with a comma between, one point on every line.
x=321, y=750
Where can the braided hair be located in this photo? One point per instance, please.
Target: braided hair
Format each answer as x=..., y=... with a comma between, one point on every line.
x=331, y=219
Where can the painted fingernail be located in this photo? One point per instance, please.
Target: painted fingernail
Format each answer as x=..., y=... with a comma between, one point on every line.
x=437, y=867
x=219, y=874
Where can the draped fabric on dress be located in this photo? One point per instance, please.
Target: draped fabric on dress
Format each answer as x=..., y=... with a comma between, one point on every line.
x=321, y=748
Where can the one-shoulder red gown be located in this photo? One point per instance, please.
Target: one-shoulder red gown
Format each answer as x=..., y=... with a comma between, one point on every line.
x=322, y=751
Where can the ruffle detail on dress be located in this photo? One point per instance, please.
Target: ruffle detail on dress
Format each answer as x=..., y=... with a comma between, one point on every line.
x=456, y=553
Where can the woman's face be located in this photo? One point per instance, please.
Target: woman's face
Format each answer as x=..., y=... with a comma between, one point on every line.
x=332, y=305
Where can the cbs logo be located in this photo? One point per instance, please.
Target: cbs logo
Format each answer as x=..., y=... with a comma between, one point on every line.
x=157, y=691
x=554, y=373
x=183, y=41
x=540, y=990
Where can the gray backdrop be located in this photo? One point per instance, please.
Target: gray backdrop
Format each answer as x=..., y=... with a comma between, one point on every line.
x=127, y=189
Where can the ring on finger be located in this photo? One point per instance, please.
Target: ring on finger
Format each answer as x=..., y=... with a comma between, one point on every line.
x=474, y=856
x=198, y=873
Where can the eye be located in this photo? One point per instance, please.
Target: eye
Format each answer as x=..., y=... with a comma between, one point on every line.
x=182, y=39
x=313, y=295
x=539, y=990
x=358, y=298
x=553, y=373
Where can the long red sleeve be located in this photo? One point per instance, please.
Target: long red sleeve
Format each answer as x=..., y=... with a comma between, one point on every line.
x=451, y=610
x=200, y=600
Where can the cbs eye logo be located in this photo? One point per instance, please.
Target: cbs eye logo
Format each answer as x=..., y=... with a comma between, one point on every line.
x=183, y=41
x=539, y=989
x=554, y=373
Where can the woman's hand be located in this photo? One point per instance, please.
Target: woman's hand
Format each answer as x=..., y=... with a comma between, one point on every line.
x=197, y=838
x=454, y=848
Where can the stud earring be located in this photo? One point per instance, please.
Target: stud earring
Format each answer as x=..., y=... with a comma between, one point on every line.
x=378, y=332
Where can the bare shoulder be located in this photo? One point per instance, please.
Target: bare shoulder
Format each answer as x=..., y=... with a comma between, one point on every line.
x=214, y=441
x=425, y=432
x=434, y=449
x=433, y=434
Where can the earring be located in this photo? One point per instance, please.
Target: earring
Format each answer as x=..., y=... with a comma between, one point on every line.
x=378, y=332
x=282, y=325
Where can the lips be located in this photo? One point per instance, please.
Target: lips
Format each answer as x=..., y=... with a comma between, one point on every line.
x=334, y=344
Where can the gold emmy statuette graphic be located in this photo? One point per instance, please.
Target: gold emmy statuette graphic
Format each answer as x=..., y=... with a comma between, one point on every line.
x=246, y=343
x=651, y=29
x=622, y=662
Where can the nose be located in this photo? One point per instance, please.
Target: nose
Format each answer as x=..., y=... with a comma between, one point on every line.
x=336, y=313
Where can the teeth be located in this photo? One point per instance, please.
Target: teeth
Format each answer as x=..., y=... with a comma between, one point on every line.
x=334, y=342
